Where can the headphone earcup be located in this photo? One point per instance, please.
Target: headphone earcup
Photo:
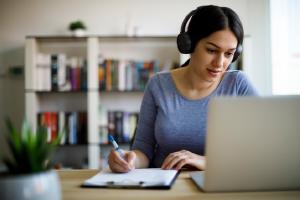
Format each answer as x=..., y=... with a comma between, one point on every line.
x=237, y=52
x=184, y=43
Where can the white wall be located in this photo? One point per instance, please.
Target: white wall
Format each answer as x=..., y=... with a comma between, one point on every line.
x=105, y=17
x=258, y=19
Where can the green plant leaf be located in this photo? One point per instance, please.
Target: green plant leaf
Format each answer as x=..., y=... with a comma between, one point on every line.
x=30, y=150
x=77, y=25
x=13, y=136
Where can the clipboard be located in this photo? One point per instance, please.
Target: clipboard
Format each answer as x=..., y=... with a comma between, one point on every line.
x=150, y=178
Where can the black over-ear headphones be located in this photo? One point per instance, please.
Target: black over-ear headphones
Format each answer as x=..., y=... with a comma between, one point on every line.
x=184, y=42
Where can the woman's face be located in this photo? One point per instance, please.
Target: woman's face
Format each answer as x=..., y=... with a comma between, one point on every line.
x=213, y=54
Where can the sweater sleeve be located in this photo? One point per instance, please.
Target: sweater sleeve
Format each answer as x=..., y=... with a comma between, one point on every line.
x=144, y=138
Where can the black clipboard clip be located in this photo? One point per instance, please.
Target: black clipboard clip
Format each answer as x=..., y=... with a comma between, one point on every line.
x=132, y=184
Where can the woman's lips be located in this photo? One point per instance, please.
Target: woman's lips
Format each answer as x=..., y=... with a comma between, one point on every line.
x=214, y=72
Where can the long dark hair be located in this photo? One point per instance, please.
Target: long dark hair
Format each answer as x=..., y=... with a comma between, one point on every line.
x=209, y=19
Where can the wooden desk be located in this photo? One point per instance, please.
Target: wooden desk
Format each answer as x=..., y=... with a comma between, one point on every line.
x=183, y=188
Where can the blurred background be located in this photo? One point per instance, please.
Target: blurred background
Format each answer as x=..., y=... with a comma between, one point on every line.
x=271, y=26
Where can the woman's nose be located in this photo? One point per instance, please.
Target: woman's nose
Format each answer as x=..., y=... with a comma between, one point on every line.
x=218, y=61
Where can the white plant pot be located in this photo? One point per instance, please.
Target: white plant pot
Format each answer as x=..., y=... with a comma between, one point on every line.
x=79, y=33
x=38, y=186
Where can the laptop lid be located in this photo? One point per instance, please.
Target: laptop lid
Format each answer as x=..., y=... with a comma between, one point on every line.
x=253, y=143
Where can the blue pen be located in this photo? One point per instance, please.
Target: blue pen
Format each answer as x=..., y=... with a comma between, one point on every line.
x=116, y=146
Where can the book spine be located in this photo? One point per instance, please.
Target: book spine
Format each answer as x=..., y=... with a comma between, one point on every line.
x=103, y=131
x=71, y=128
x=62, y=127
x=82, y=128
x=126, y=127
x=62, y=71
x=111, y=124
x=119, y=126
x=47, y=124
x=129, y=76
x=84, y=76
x=54, y=125
x=102, y=76
x=54, y=71
x=114, y=74
x=108, y=75
x=121, y=75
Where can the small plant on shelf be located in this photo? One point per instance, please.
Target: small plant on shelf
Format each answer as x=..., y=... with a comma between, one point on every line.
x=78, y=28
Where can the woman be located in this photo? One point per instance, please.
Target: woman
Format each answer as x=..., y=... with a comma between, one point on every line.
x=172, y=123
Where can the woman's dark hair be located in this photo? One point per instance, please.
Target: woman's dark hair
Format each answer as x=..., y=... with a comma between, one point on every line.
x=209, y=19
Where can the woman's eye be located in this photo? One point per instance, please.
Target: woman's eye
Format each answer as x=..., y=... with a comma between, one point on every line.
x=228, y=54
x=211, y=51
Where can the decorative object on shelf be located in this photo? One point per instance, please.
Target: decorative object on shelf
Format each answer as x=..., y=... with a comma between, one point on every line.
x=78, y=28
x=132, y=29
x=29, y=174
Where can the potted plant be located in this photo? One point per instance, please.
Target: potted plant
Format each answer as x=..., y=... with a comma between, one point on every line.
x=29, y=174
x=77, y=28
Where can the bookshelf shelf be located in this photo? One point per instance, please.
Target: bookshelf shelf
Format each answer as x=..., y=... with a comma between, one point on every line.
x=60, y=92
x=62, y=76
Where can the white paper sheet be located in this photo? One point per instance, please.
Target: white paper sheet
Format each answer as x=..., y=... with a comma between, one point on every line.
x=148, y=177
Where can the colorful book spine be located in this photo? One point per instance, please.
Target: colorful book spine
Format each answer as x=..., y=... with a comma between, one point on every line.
x=120, y=124
x=72, y=126
x=121, y=75
x=54, y=72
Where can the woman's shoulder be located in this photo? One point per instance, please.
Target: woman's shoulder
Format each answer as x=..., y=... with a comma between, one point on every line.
x=164, y=75
x=160, y=78
x=160, y=84
x=240, y=80
x=235, y=76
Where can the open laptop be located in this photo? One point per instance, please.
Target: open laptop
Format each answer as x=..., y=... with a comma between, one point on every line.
x=252, y=144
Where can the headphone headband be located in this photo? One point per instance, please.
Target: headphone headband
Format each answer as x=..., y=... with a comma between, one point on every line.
x=186, y=19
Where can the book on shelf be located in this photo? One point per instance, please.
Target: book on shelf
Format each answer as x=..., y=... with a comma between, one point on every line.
x=57, y=72
x=120, y=124
x=54, y=71
x=62, y=126
x=73, y=125
x=125, y=75
x=43, y=72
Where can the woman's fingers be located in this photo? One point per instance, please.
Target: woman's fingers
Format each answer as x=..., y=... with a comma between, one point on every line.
x=117, y=163
x=167, y=160
x=181, y=158
x=171, y=162
x=130, y=157
x=181, y=163
x=173, y=159
x=118, y=168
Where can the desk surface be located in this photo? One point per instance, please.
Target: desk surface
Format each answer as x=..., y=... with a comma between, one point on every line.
x=183, y=188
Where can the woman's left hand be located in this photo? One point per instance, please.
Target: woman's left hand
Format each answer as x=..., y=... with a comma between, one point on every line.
x=178, y=159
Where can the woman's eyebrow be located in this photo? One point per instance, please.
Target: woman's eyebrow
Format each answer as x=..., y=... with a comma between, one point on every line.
x=211, y=43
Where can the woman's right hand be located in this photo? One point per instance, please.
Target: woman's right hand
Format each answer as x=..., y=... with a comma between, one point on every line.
x=119, y=164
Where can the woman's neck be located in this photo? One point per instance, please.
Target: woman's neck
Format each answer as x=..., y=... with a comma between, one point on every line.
x=192, y=86
x=197, y=83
